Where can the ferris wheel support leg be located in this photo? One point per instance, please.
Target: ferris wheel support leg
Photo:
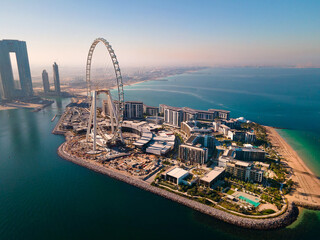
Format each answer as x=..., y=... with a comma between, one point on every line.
x=89, y=122
x=111, y=111
x=94, y=101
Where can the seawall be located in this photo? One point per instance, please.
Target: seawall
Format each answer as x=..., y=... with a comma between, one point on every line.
x=283, y=220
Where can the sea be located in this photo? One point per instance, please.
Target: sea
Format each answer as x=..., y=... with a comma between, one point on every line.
x=43, y=196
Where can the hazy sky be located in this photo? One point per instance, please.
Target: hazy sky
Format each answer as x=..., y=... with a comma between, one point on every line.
x=144, y=33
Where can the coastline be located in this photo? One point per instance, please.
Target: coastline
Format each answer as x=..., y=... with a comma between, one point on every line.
x=305, y=192
x=8, y=106
x=283, y=220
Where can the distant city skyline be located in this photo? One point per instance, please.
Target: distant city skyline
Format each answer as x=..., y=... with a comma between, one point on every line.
x=168, y=33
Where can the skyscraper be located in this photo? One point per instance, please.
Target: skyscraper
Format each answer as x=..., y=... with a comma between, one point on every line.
x=45, y=81
x=56, y=78
x=8, y=88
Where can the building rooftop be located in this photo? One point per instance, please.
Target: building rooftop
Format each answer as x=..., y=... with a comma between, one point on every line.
x=210, y=176
x=147, y=106
x=134, y=102
x=193, y=147
x=177, y=172
x=189, y=110
x=218, y=110
x=243, y=164
x=224, y=126
x=190, y=139
x=250, y=149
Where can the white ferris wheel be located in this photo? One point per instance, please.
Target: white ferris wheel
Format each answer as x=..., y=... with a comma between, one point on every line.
x=116, y=110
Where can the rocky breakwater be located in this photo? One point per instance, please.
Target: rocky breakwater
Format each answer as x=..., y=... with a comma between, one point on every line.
x=283, y=220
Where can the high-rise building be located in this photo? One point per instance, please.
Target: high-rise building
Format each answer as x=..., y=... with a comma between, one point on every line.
x=56, y=78
x=173, y=116
x=193, y=154
x=151, y=111
x=244, y=171
x=8, y=88
x=45, y=81
x=133, y=110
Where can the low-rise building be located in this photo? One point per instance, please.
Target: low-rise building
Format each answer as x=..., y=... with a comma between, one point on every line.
x=162, y=143
x=176, y=175
x=155, y=120
x=212, y=177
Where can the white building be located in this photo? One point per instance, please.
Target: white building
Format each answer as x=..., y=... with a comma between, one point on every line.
x=133, y=110
x=173, y=116
x=176, y=175
x=161, y=143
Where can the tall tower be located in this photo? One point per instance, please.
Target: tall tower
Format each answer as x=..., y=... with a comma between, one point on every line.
x=56, y=78
x=45, y=81
x=8, y=89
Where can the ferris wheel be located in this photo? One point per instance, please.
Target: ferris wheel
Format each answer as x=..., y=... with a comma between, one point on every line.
x=118, y=111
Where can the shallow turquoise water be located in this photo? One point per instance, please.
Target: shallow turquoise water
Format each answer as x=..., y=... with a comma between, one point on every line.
x=45, y=197
x=306, y=144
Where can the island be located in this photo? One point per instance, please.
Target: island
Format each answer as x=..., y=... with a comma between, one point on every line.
x=233, y=169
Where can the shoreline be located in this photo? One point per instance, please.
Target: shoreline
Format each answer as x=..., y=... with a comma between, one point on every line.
x=264, y=223
x=306, y=190
x=25, y=105
x=9, y=106
x=83, y=92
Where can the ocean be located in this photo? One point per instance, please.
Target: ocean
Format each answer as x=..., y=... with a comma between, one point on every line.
x=288, y=99
x=44, y=196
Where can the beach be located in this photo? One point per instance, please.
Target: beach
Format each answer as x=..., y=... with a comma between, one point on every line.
x=306, y=190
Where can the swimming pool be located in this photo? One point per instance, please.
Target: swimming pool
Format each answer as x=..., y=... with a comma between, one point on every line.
x=255, y=204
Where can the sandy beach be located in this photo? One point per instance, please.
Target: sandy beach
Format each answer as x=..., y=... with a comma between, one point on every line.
x=306, y=190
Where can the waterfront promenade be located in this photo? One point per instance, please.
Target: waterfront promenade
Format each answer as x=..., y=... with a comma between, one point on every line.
x=306, y=190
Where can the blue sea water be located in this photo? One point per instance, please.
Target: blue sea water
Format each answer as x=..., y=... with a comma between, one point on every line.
x=280, y=97
x=45, y=197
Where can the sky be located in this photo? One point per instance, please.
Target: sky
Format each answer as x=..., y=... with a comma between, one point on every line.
x=167, y=32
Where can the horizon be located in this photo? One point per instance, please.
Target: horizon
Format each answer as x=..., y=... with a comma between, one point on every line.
x=168, y=33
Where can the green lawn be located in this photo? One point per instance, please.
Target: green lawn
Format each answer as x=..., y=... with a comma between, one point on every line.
x=230, y=192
